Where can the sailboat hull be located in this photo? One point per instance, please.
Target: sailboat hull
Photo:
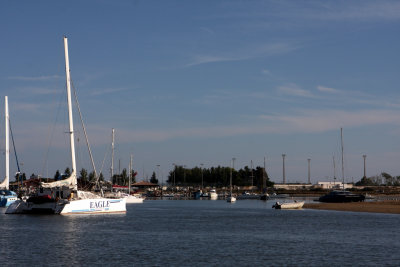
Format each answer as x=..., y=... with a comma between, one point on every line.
x=90, y=206
x=80, y=206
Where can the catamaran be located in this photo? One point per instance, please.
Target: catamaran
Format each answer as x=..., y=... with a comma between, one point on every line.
x=7, y=196
x=63, y=197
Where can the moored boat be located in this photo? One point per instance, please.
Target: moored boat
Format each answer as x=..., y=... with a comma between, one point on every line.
x=63, y=197
x=341, y=196
x=288, y=205
x=7, y=197
x=213, y=194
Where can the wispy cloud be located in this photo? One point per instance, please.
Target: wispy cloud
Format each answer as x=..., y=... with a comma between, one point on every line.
x=301, y=121
x=207, y=30
x=325, y=120
x=108, y=91
x=364, y=10
x=255, y=51
x=37, y=78
x=265, y=72
x=294, y=90
x=198, y=60
x=327, y=89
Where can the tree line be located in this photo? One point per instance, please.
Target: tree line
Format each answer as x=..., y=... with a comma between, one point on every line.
x=218, y=176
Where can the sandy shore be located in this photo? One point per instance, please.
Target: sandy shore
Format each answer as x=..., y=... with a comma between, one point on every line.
x=378, y=207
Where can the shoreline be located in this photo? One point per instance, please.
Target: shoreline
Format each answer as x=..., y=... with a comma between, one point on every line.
x=387, y=206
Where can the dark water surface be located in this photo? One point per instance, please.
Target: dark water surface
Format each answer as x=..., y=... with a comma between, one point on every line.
x=202, y=233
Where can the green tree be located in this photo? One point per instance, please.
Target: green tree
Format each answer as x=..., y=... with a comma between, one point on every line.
x=57, y=175
x=67, y=172
x=83, y=176
x=92, y=177
x=153, y=178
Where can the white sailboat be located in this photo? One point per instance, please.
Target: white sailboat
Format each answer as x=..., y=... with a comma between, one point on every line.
x=6, y=196
x=231, y=198
x=132, y=199
x=213, y=194
x=63, y=197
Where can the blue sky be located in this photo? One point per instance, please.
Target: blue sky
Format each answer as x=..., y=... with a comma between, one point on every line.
x=191, y=82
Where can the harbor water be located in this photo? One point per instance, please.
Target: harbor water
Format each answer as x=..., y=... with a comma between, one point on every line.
x=202, y=233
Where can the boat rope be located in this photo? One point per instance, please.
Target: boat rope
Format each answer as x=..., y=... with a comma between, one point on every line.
x=51, y=134
x=15, y=150
x=86, y=136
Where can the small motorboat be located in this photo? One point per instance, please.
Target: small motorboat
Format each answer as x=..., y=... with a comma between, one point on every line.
x=288, y=205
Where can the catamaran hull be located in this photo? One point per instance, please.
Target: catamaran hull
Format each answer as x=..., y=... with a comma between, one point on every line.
x=94, y=206
x=83, y=206
x=7, y=201
x=24, y=207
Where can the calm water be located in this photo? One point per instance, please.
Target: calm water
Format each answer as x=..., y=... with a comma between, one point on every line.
x=201, y=233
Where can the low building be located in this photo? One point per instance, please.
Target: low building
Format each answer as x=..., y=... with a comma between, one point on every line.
x=334, y=185
x=292, y=186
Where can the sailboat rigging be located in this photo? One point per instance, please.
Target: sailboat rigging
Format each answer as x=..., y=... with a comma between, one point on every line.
x=63, y=197
x=339, y=196
x=7, y=197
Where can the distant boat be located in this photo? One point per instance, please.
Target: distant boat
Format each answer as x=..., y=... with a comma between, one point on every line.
x=63, y=197
x=197, y=194
x=231, y=198
x=213, y=194
x=247, y=195
x=131, y=199
x=341, y=196
x=288, y=205
x=264, y=196
x=7, y=196
x=275, y=195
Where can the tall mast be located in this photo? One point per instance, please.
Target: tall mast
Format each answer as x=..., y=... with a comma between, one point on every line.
x=112, y=155
x=71, y=122
x=341, y=138
x=334, y=171
x=130, y=175
x=7, y=178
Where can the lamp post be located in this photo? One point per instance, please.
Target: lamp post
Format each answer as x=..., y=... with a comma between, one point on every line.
x=309, y=171
x=283, y=168
x=365, y=175
x=184, y=174
x=173, y=164
x=201, y=164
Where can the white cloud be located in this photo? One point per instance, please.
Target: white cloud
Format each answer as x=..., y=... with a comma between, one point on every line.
x=304, y=121
x=265, y=72
x=198, y=60
x=294, y=90
x=325, y=120
x=38, y=78
x=327, y=89
x=375, y=10
x=107, y=91
x=249, y=52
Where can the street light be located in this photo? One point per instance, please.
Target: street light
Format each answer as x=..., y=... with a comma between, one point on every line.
x=201, y=164
x=283, y=168
x=364, y=156
x=184, y=174
x=173, y=164
x=158, y=170
x=309, y=171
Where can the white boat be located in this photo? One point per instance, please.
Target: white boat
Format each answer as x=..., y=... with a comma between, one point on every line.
x=213, y=194
x=63, y=197
x=131, y=199
x=231, y=198
x=289, y=205
x=7, y=197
